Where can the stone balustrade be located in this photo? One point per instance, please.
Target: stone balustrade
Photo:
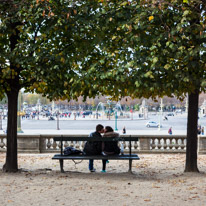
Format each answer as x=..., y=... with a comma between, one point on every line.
x=146, y=144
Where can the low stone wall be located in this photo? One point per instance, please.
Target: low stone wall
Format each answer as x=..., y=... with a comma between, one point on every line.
x=146, y=144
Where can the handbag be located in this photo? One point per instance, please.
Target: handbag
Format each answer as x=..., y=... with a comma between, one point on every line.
x=72, y=151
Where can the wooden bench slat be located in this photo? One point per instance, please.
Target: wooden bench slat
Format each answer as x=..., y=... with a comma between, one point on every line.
x=101, y=157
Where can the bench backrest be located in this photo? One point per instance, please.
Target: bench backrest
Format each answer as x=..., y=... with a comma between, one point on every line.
x=103, y=139
x=91, y=139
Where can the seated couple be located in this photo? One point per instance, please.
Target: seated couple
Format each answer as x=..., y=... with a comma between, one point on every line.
x=98, y=147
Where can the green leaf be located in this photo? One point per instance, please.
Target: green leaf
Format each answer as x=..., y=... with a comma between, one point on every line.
x=186, y=12
x=167, y=66
x=155, y=60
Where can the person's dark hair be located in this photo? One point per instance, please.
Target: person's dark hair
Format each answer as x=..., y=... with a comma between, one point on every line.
x=109, y=129
x=99, y=127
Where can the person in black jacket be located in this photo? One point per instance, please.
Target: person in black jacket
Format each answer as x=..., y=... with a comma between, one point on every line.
x=94, y=148
x=109, y=148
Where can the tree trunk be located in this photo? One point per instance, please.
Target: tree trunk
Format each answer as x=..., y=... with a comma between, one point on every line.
x=11, y=164
x=192, y=124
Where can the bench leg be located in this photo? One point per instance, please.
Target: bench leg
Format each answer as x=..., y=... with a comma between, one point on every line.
x=130, y=165
x=61, y=161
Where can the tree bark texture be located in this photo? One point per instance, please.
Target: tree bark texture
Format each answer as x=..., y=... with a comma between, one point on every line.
x=11, y=164
x=192, y=124
x=12, y=91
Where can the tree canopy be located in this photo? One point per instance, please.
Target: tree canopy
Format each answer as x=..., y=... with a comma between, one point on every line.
x=43, y=43
x=152, y=48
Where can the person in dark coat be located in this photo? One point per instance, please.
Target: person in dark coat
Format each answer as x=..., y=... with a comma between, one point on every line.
x=109, y=148
x=94, y=147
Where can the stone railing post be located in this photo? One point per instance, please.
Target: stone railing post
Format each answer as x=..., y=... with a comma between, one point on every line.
x=28, y=144
x=144, y=144
x=2, y=143
x=42, y=144
x=201, y=144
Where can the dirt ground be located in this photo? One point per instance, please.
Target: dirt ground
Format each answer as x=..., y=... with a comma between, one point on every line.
x=157, y=180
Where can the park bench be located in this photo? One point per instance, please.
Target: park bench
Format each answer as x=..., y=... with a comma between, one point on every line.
x=61, y=157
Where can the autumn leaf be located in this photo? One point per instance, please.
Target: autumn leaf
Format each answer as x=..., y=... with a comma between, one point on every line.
x=155, y=186
x=151, y=18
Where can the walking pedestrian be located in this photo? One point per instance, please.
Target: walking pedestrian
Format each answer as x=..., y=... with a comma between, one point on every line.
x=170, y=131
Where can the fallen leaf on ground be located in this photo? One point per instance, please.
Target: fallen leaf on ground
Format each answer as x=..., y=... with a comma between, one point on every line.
x=155, y=186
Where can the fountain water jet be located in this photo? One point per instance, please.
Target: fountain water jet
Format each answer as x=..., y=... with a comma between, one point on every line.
x=108, y=109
